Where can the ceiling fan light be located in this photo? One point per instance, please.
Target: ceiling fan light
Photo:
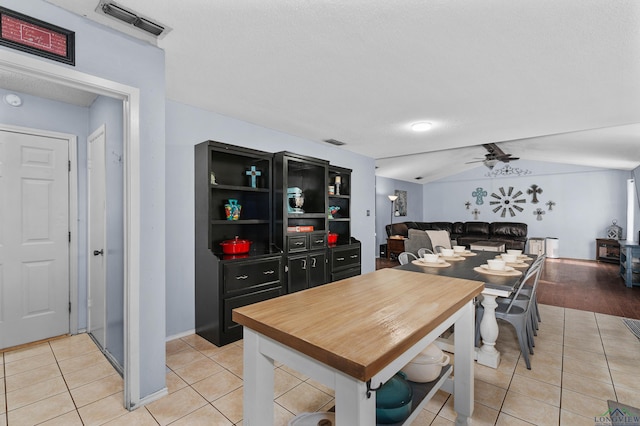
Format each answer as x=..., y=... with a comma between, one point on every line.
x=491, y=163
x=421, y=126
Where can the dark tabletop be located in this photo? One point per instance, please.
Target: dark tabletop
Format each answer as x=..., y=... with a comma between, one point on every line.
x=464, y=269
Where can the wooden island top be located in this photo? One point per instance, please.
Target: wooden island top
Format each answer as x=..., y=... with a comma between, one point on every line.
x=360, y=324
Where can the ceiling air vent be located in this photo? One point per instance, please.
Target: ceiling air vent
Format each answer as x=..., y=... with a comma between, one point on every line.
x=335, y=142
x=114, y=10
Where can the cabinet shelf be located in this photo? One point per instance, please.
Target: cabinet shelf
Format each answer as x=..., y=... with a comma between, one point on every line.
x=340, y=219
x=344, y=197
x=238, y=188
x=240, y=222
x=306, y=215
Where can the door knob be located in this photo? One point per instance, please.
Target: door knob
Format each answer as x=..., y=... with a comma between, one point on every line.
x=98, y=252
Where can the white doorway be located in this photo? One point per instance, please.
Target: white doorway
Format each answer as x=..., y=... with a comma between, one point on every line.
x=130, y=96
x=35, y=235
x=96, y=268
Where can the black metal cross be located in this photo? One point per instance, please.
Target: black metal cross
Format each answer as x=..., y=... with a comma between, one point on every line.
x=535, y=190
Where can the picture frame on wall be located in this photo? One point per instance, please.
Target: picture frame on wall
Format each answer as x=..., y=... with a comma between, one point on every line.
x=401, y=203
x=31, y=35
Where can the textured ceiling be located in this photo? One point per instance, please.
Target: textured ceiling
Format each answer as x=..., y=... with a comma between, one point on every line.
x=546, y=80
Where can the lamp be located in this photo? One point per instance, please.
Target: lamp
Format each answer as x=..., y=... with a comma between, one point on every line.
x=392, y=198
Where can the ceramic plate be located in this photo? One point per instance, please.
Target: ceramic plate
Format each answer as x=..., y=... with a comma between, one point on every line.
x=506, y=268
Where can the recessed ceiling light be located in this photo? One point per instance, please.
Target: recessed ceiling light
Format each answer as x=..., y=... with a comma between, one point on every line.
x=13, y=100
x=421, y=126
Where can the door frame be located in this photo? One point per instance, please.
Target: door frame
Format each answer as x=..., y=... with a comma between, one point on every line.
x=72, y=143
x=101, y=130
x=130, y=97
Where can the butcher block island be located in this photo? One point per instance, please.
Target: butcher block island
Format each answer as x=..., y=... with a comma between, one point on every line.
x=353, y=335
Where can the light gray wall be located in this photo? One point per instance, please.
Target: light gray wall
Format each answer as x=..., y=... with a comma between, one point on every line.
x=587, y=200
x=188, y=126
x=108, y=111
x=386, y=187
x=105, y=53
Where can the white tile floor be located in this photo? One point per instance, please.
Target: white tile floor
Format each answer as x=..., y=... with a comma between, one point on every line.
x=582, y=359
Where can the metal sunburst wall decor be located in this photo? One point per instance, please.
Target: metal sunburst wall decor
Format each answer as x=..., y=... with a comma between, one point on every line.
x=507, y=201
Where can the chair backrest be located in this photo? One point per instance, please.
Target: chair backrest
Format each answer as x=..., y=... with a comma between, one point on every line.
x=532, y=274
x=422, y=251
x=406, y=256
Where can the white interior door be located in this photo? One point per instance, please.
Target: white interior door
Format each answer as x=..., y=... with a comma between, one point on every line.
x=96, y=175
x=34, y=238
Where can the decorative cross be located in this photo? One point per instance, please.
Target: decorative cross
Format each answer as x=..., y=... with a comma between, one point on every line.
x=535, y=190
x=551, y=204
x=467, y=205
x=254, y=174
x=475, y=213
x=479, y=193
x=539, y=212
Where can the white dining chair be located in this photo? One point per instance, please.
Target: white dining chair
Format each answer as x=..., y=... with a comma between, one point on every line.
x=406, y=256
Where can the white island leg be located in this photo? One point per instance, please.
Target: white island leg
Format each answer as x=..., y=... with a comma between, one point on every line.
x=488, y=354
x=463, y=378
x=352, y=405
x=258, y=383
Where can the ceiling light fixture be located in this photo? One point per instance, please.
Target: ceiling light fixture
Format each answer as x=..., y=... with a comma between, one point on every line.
x=334, y=142
x=114, y=10
x=491, y=163
x=421, y=126
x=13, y=99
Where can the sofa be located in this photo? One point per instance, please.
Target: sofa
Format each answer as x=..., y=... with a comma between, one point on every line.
x=512, y=234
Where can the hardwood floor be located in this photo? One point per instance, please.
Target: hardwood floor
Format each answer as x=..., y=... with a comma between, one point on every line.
x=585, y=285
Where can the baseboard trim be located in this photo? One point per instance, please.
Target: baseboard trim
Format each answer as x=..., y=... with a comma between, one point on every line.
x=180, y=335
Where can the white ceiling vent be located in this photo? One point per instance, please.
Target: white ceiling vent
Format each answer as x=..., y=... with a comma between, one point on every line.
x=114, y=10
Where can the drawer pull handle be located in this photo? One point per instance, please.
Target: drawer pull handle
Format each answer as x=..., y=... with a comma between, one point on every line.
x=269, y=272
x=340, y=259
x=304, y=264
x=354, y=256
x=313, y=262
x=242, y=277
x=300, y=243
x=319, y=241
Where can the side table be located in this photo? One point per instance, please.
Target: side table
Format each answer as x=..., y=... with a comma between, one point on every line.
x=395, y=246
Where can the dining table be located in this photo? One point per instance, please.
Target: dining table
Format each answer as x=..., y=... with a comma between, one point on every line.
x=472, y=265
x=353, y=335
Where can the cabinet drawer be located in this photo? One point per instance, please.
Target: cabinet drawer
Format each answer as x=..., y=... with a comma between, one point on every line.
x=242, y=275
x=346, y=273
x=246, y=299
x=317, y=240
x=297, y=243
x=341, y=259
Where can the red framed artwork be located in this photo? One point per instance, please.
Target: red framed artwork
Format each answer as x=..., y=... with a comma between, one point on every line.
x=33, y=36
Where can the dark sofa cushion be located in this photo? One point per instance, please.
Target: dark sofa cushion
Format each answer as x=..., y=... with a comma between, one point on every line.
x=398, y=229
x=509, y=230
x=436, y=226
x=477, y=229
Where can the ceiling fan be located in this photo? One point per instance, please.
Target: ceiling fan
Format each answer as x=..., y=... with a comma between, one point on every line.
x=494, y=155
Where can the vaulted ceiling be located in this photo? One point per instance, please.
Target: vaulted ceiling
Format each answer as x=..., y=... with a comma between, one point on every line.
x=550, y=80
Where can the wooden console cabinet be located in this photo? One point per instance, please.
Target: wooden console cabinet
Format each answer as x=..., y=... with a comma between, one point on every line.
x=395, y=246
x=607, y=250
x=630, y=264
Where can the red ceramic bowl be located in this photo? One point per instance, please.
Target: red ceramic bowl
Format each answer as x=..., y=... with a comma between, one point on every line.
x=235, y=246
